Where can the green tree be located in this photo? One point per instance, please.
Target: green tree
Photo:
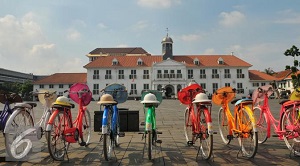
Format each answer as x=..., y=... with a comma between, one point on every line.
x=269, y=71
x=293, y=51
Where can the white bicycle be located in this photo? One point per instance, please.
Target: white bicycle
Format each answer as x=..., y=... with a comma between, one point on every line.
x=21, y=129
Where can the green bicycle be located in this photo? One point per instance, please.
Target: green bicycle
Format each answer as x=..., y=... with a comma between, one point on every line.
x=149, y=99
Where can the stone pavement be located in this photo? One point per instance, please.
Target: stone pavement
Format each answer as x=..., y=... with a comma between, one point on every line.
x=173, y=150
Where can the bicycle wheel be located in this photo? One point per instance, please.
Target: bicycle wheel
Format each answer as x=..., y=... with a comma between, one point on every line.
x=289, y=122
x=223, y=126
x=47, y=117
x=149, y=144
x=188, y=127
x=248, y=138
x=261, y=124
x=117, y=131
x=108, y=140
x=17, y=123
x=57, y=144
x=205, y=139
x=86, y=128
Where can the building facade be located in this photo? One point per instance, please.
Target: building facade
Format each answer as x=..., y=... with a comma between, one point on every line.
x=138, y=70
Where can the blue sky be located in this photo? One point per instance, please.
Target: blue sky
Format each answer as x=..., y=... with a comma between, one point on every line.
x=46, y=37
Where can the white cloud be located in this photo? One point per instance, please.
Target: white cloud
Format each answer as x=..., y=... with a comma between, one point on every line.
x=209, y=51
x=122, y=45
x=140, y=25
x=232, y=18
x=24, y=47
x=158, y=3
x=102, y=26
x=190, y=37
x=73, y=34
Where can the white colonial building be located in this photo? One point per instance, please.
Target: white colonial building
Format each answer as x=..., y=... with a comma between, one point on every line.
x=138, y=70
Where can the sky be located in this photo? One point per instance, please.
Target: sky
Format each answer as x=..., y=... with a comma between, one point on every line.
x=54, y=36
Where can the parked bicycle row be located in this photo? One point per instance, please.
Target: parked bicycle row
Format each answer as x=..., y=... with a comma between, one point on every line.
x=250, y=121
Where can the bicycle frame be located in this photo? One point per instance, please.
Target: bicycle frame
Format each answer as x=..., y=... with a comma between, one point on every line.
x=194, y=115
x=77, y=122
x=115, y=116
x=242, y=103
x=150, y=119
x=7, y=111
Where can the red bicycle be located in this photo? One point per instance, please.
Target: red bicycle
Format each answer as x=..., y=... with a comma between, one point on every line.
x=198, y=121
x=62, y=130
x=287, y=128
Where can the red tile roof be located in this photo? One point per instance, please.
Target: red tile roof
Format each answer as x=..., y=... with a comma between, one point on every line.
x=282, y=74
x=127, y=50
x=204, y=60
x=258, y=75
x=63, y=78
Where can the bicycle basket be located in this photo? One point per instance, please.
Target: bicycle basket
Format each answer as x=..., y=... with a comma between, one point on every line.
x=10, y=97
x=42, y=99
x=85, y=97
x=295, y=94
x=118, y=92
x=225, y=94
x=187, y=94
x=158, y=95
x=258, y=97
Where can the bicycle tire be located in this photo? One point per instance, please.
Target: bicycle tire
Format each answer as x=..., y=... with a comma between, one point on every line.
x=47, y=117
x=86, y=128
x=107, y=139
x=117, y=131
x=149, y=144
x=188, y=128
x=287, y=123
x=57, y=145
x=261, y=125
x=248, y=139
x=205, y=138
x=17, y=123
x=223, y=126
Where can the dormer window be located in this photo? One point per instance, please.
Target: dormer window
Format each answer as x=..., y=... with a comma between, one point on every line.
x=220, y=61
x=140, y=62
x=196, y=61
x=115, y=62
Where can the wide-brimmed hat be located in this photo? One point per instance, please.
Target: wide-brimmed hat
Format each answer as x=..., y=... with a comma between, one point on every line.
x=63, y=101
x=150, y=98
x=201, y=98
x=107, y=99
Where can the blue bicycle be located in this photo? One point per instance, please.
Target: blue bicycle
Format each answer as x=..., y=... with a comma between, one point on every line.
x=113, y=94
x=7, y=99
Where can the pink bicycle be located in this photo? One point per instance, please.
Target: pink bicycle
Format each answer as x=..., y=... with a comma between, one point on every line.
x=287, y=128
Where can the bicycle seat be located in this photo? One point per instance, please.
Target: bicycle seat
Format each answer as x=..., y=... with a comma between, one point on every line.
x=283, y=101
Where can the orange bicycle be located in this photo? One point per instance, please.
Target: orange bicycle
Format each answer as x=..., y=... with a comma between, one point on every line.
x=62, y=130
x=241, y=125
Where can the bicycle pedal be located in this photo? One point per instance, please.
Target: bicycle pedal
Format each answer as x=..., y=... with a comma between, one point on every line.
x=158, y=132
x=158, y=141
x=229, y=137
x=275, y=135
x=82, y=143
x=189, y=143
x=215, y=132
x=142, y=123
x=121, y=134
x=141, y=133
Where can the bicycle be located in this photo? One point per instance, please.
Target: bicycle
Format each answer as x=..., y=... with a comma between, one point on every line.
x=61, y=128
x=7, y=99
x=198, y=121
x=113, y=94
x=287, y=128
x=150, y=100
x=241, y=125
x=18, y=138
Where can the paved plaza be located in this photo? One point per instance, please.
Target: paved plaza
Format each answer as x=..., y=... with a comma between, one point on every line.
x=173, y=150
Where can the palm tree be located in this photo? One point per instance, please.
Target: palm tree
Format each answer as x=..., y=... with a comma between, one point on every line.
x=294, y=51
x=269, y=71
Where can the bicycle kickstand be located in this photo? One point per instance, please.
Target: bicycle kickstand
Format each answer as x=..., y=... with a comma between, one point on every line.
x=66, y=151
